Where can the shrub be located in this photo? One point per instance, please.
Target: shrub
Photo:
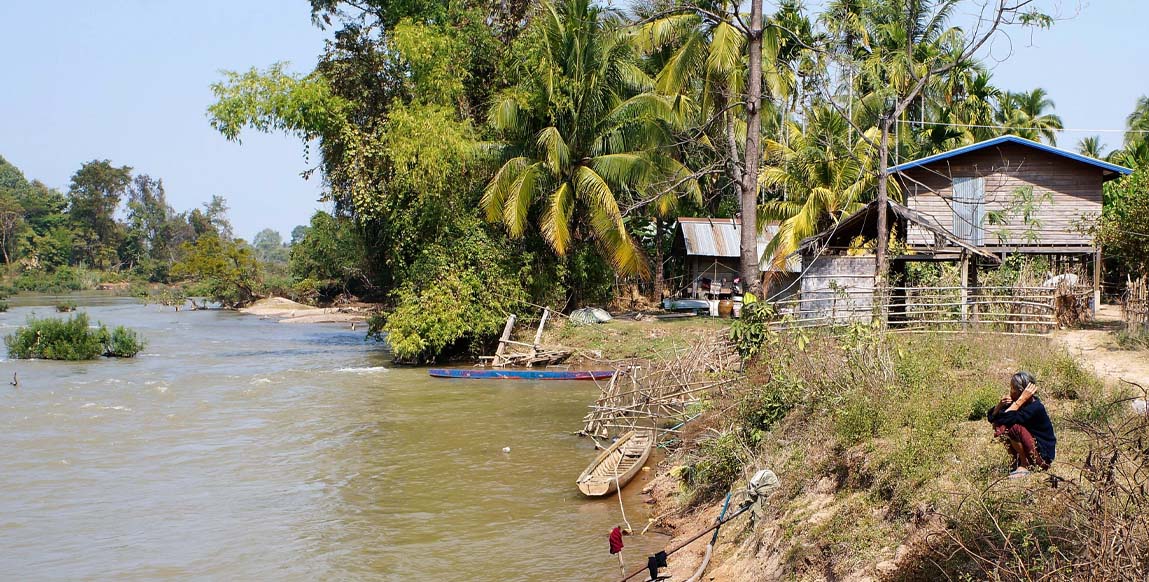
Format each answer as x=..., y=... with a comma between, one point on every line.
x=71, y=339
x=4, y=306
x=65, y=306
x=718, y=465
x=123, y=343
x=751, y=332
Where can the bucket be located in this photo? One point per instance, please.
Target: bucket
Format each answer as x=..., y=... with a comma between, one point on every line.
x=725, y=308
x=713, y=307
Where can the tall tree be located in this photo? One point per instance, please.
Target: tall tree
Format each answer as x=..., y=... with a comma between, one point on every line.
x=1029, y=114
x=580, y=135
x=1091, y=146
x=94, y=195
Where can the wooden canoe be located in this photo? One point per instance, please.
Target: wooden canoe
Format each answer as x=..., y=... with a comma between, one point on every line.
x=617, y=465
x=513, y=374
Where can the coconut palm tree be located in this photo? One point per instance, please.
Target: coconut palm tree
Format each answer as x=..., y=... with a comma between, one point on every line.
x=581, y=136
x=817, y=176
x=1091, y=146
x=1027, y=114
x=1137, y=124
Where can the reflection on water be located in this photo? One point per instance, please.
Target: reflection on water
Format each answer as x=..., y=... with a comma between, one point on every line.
x=238, y=448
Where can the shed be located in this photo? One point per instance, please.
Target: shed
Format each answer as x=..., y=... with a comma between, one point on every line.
x=711, y=251
x=837, y=280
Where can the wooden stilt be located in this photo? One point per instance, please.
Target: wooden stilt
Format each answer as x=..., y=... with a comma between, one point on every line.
x=1096, y=281
x=964, y=288
x=506, y=337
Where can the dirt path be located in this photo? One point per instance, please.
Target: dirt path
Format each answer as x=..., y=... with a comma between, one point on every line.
x=1097, y=348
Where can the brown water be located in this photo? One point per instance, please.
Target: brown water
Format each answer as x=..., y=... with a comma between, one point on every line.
x=242, y=449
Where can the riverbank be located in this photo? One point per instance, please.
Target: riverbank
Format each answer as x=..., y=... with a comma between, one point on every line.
x=288, y=311
x=889, y=470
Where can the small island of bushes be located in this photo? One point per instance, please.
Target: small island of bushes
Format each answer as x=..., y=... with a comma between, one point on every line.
x=72, y=339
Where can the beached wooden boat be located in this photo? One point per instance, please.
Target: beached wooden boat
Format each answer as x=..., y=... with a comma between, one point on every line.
x=511, y=374
x=617, y=465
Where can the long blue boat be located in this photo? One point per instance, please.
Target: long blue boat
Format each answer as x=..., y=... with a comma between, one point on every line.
x=513, y=374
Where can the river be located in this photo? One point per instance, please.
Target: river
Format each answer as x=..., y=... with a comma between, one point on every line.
x=243, y=449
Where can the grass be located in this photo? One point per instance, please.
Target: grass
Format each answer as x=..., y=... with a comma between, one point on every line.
x=621, y=339
x=892, y=426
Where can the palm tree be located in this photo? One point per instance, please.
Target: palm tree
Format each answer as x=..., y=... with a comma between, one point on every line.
x=1025, y=115
x=581, y=136
x=817, y=175
x=1137, y=124
x=1092, y=147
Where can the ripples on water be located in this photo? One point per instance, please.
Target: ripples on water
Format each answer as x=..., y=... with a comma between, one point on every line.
x=238, y=448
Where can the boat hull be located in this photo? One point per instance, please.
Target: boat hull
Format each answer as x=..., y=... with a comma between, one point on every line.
x=512, y=374
x=617, y=465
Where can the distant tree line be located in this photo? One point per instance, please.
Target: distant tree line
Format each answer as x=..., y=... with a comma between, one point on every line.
x=108, y=219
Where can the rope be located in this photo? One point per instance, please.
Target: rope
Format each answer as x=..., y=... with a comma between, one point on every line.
x=618, y=490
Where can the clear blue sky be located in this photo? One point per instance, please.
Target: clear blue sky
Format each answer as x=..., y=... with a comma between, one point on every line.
x=129, y=81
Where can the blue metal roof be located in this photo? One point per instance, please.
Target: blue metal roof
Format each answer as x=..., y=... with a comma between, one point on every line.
x=1105, y=166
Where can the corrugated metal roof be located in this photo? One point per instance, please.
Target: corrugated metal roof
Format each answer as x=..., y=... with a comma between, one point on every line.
x=721, y=237
x=1105, y=166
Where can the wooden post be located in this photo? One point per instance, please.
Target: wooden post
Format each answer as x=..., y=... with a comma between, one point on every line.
x=498, y=361
x=1096, y=281
x=975, y=287
x=538, y=337
x=964, y=288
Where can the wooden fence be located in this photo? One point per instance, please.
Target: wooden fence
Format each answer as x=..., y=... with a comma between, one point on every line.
x=1135, y=306
x=997, y=309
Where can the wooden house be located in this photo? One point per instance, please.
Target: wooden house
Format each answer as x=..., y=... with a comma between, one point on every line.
x=711, y=257
x=971, y=205
x=1007, y=195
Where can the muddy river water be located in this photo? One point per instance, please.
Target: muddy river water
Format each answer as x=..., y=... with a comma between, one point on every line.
x=235, y=448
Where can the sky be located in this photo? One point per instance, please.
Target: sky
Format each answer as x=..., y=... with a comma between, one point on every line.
x=129, y=81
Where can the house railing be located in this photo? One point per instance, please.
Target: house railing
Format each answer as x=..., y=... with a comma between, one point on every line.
x=999, y=309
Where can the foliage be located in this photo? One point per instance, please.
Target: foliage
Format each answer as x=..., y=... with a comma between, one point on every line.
x=717, y=464
x=580, y=136
x=1125, y=220
x=95, y=193
x=4, y=306
x=751, y=333
x=65, y=306
x=123, y=343
x=223, y=270
x=330, y=255
x=456, y=296
x=71, y=339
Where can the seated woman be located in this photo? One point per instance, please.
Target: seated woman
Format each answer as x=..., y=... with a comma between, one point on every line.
x=1021, y=422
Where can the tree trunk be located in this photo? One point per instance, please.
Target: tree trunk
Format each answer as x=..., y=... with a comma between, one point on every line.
x=749, y=202
x=883, y=202
x=658, y=260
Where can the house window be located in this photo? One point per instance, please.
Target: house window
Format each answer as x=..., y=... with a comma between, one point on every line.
x=969, y=209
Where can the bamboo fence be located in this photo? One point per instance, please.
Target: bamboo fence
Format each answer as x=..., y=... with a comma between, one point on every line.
x=1016, y=309
x=1135, y=307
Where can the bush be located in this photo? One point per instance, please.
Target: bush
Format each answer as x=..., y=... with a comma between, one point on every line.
x=66, y=306
x=71, y=339
x=123, y=343
x=718, y=465
x=4, y=306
